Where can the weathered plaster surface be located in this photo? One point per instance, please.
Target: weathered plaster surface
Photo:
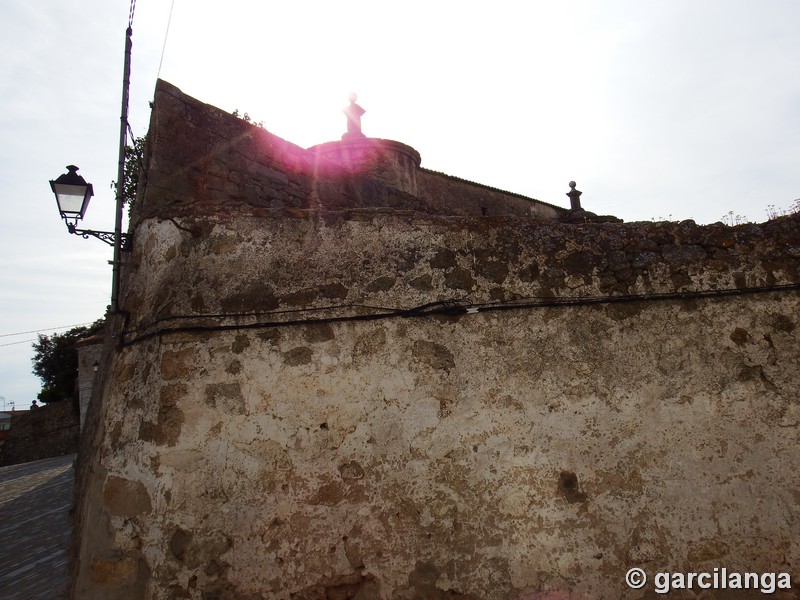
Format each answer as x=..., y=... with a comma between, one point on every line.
x=89, y=352
x=379, y=403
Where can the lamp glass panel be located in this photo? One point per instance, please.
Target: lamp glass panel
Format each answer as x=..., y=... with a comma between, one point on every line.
x=70, y=198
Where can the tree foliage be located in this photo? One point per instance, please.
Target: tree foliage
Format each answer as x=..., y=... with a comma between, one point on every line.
x=55, y=362
x=133, y=165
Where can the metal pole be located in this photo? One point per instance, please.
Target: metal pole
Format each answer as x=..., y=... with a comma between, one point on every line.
x=123, y=139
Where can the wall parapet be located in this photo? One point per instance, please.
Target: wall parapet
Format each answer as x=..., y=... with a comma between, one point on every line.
x=270, y=262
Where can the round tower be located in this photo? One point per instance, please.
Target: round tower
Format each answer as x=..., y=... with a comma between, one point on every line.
x=387, y=161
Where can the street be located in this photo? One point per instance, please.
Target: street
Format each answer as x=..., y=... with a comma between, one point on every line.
x=35, y=499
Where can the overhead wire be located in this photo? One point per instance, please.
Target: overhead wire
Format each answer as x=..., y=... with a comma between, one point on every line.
x=166, y=35
x=133, y=137
x=16, y=343
x=45, y=329
x=31, y=341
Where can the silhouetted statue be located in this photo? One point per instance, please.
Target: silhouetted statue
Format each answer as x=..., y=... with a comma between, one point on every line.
x=353, y=114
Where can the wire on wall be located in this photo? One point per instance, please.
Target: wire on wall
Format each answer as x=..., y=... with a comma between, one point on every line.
x=158, y=328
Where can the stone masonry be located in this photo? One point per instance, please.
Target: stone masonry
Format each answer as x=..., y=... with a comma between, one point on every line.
x=43, y=432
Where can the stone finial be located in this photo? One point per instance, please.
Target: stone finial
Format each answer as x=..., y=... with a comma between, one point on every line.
x=576, y=214
x=353, y=114
x=574, y=197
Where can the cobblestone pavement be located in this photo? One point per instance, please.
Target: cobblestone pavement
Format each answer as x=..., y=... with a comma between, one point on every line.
x=35, y=499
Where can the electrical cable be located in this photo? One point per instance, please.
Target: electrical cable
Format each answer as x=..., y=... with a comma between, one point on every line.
x=16, y=343
x=166, y=34
x=45, y=329
x=307, y=310
x=440, y=307
x=447, y=307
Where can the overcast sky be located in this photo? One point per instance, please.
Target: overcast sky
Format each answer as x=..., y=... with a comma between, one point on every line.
x=665, y=109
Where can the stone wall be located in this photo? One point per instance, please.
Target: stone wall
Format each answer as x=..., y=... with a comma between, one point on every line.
x=44, y=432
x=454, y=196
x=379, y=402
x=89, y=354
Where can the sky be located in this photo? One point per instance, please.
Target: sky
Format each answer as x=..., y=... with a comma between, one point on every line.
x=660, y=110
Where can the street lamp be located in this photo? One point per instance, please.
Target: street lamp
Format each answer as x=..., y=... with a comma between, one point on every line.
x=72, y=196
x=73, y=193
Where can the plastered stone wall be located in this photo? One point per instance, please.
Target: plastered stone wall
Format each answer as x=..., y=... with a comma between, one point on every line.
x=492, y=455
x=379, y=402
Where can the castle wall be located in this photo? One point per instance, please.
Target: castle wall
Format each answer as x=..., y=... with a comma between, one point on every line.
x=388, y=162
x=205, y=156
x=455, y=196
x=382, y=403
